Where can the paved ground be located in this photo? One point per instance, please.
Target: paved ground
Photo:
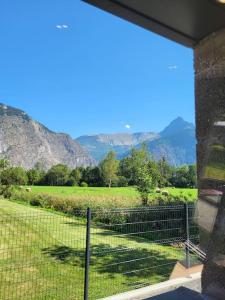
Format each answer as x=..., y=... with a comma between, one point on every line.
x=181, y=293
x=185, y=288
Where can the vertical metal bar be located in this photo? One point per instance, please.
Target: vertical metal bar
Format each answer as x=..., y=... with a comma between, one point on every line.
x=87, y=255
x=187, y=236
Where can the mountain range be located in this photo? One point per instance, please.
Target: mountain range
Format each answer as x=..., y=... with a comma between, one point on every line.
x=26, y=142
x=176, y=143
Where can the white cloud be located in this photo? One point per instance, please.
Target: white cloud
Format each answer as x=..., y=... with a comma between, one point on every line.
x=127, y=126
x=63, y=26
x=173, y=67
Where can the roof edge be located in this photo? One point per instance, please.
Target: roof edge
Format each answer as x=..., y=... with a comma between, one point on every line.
x=129, y=14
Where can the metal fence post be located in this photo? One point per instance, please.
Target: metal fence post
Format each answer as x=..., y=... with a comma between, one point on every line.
x=187, y=236
x=87, y=255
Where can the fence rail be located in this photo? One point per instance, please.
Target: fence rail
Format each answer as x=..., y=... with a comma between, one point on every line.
x=44, y=255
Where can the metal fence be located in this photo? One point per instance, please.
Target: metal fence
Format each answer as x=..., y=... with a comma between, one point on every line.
x=44, y=255
x=140, y=247
x=41, y=256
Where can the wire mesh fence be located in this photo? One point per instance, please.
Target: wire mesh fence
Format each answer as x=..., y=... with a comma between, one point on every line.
x=140, y=247
x=39, y=255
x=43, y=255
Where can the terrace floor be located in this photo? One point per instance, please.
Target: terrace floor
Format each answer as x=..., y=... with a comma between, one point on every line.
x=184, y=288
x=178, y=294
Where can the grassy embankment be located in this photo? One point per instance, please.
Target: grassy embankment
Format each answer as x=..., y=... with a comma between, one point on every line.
x=41, y=256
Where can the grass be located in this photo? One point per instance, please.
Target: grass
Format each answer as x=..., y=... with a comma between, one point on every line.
x=125, y=192
x=74, y=200
x=42, y=257
x=89, y=191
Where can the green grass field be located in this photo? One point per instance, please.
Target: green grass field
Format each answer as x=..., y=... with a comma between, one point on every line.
x=104, y=191
x=41, y=255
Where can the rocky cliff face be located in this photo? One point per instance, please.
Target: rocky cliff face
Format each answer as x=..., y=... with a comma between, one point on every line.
x=25, y=142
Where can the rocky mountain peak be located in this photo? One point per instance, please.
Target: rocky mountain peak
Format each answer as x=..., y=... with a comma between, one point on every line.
x=177, y=125
x=25, y=142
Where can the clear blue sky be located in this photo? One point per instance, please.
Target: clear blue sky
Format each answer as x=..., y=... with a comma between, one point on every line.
x=97, y=73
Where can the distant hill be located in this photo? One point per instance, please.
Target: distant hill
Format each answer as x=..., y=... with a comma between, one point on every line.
x=176, y=143
x=99, y=145
x=25, y=142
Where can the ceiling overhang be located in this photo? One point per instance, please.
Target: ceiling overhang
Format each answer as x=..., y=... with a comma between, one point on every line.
x=184, y=21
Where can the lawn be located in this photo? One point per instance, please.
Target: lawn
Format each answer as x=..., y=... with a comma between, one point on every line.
x=42, y=256
x=104, y=191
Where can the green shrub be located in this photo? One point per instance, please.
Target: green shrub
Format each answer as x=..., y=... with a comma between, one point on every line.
x=83, y=184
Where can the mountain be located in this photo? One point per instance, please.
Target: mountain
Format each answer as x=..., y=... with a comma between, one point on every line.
x=25, y=142
x=99, y=145
x=176, y=126
x=176, y=143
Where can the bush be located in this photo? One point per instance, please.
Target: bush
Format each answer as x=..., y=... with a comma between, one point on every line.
x=14, y=176
x=83, y=184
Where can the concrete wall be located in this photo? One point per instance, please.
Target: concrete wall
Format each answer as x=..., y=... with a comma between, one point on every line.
x=210, y=124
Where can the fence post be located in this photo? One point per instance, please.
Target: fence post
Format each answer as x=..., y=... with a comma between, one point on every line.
x=87, y=255
x=187, y=236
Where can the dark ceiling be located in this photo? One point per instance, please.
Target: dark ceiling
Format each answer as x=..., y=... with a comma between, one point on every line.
x=184, y=21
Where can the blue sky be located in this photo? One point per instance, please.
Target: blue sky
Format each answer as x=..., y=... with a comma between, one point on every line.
x=97, y=73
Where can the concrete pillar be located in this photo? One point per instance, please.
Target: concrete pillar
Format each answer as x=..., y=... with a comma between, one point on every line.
x=210, y=124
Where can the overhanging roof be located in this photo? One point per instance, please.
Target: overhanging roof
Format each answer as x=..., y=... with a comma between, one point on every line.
x=183, y=21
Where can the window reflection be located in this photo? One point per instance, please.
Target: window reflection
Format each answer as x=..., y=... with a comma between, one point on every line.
x=211, y=184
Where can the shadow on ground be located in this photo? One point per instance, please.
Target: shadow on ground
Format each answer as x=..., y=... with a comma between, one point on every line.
x=181, y=293
x=109, y=260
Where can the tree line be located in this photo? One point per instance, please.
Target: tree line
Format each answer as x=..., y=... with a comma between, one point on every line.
x=138, y=169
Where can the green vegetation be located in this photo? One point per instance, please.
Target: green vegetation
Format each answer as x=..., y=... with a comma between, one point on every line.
x=122, y=192
x=138, y=170
x=75, y=200
x=109, y=169
x=46, y=258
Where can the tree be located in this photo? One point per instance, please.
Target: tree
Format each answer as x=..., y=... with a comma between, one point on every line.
x=165, y=171
x=4, y=164
x=58, y=175
x=14, y=176
x=140, y=170
x=93, y=176
x=131, y=164
x=192, y=176
x=147, y=174
x=34, y=176
x=75, y=176
x=109, y=168
x=184, y=177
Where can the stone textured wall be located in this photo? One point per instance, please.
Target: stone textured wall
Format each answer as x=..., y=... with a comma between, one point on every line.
x=209, y=87
x=210, y=126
